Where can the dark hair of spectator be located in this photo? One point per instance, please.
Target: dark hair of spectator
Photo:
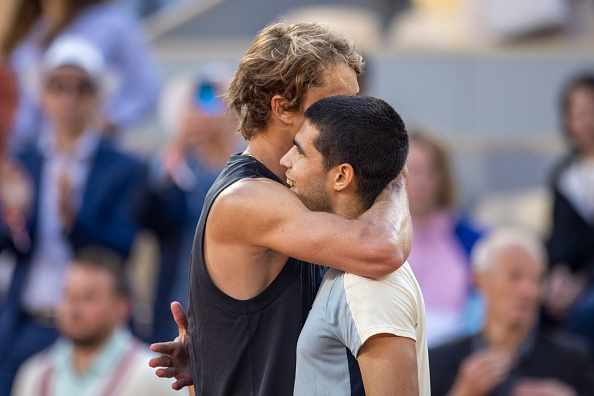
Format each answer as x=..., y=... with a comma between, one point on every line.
x=585, y=80
x=366, y=133
x=446, y=195
x=100, y=257
x=29, y=11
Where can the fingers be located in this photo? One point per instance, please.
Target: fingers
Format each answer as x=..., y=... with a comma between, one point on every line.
x=180, y=316
x=161, y=361
x=166, y=348
x=168, y=372
x=483, y=370
x=180, y=384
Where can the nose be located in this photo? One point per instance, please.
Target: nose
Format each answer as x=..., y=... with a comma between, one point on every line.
x=530, y=289
x=286, y=159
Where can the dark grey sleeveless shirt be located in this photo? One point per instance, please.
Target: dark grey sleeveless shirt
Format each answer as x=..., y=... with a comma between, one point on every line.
x=246, y=347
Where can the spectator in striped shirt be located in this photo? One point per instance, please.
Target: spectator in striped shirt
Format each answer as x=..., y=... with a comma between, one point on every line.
x=95, y=354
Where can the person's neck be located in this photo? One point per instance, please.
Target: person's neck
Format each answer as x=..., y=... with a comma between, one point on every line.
x=83, y=356
x=588, y=155
x=53, y=12
x=269, y=148
x=67, y=137
x=505, y=336
x=348, y=205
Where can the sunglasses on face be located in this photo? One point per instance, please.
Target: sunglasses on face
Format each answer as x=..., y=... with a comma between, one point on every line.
x=81, y=89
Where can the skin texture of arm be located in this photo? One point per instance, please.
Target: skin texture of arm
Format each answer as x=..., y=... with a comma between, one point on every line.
x=271, y=216
x=389, y=366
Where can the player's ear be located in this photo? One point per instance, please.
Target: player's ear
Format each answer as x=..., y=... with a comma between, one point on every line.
x=279, y=106
x=479, y=280
x=343, y=177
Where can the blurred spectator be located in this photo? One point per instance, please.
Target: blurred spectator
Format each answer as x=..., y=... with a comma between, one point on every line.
x=510, y=356
x=110, y=27
x=80, y=192
x=8, y=103
x=95, y=353
x=442, y=240
x=181, y=175
x=570, y=298
x=147, y=7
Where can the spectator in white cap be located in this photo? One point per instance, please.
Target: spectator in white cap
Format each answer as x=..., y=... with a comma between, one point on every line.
x=113, y=29
x=82, y=188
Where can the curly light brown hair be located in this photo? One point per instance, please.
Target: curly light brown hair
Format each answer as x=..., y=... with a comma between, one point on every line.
x=286, y=60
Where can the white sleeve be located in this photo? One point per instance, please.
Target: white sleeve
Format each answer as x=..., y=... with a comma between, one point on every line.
x=384, y=306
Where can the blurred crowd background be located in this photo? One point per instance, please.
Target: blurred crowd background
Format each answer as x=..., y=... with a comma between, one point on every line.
x=112, y=129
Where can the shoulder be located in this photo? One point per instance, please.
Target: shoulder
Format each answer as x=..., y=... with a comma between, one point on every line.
x=400, y=285
x=450, y=353
x=564, y=345
x=255, y=199
x=250, y=187
x=560, y=168
x=106, y=151
x=30, y=373
x=28, y=153
x=35, y=362
x=391, y=304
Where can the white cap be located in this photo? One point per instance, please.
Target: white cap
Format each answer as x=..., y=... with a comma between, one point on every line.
x=70, y=50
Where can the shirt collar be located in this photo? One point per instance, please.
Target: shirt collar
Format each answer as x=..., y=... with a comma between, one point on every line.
x=105, y=359
x=479, y=342
x=84, y=149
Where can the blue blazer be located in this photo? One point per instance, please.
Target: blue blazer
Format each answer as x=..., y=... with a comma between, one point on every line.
x=104, y=217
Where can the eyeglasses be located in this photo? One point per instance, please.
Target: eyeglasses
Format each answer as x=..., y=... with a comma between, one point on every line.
x=81, y=89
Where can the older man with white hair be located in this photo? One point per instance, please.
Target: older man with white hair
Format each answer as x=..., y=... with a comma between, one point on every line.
x=510, y=355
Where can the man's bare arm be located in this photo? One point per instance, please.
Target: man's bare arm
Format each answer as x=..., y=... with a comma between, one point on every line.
x=270, y=215
x=389, y=366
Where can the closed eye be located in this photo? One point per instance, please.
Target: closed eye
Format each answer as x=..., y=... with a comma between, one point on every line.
x=299, y=150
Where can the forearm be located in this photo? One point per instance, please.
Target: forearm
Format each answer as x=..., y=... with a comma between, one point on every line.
x=390, y=220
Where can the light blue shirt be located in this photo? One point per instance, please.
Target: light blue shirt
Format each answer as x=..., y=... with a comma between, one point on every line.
x=69, y=383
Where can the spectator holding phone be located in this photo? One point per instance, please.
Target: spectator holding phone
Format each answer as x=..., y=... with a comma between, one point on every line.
x=181, y=174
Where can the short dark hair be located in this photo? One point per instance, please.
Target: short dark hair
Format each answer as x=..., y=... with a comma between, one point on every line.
x=366, y=133
x=584, y=80
x=101, y=257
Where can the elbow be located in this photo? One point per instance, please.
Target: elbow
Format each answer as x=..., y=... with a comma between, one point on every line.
x=397, y=259
x=389, y=258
